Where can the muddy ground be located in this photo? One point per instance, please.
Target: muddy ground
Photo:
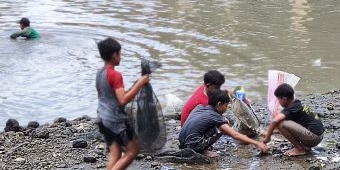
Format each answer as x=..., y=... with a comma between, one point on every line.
x=76, y=144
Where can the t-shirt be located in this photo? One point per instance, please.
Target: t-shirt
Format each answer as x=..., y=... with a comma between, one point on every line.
x=199, y=97
x=114, y=78
x=202, y=120
x=304, y=116
x=110, y=112
x=27, y=32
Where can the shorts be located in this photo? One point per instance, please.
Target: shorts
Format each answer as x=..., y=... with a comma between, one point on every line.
x=301, y=134
x=122, y=138
x=204, y=142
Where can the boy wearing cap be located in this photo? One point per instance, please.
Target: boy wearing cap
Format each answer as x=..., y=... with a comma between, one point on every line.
x=26, y=30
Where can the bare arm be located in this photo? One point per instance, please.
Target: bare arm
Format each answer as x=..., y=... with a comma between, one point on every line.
x=23, y=33
x=277, y=119
x=226, y=129
x=125, y=97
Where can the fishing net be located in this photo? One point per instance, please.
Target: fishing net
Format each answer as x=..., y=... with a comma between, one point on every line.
x=146, y=114
x=246, y=123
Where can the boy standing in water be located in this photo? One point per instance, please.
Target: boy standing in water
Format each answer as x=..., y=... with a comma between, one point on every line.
x=113, y=122
x=213, y=79
x=26, y=30
x=205, y=125
x=296, y=122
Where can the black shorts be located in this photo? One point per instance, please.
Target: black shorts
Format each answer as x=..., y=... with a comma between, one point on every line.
x=122, y=138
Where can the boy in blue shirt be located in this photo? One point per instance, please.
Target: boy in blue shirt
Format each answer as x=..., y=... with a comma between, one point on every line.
x=26, y=30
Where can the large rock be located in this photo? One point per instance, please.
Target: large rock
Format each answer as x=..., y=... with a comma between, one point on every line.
x=13, y=125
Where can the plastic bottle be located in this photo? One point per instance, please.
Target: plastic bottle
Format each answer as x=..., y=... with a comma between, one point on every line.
x=240, y=94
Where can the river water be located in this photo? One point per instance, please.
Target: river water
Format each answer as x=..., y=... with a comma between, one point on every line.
x=54, y=76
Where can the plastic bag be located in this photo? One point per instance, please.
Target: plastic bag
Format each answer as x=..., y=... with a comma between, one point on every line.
x=275, y=78
x=146, y=114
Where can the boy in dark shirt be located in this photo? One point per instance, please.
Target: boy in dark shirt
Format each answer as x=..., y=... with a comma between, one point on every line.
x=205, y=125
x=26, y=30
x=296, y=122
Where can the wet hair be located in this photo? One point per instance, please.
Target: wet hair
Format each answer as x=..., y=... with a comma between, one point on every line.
x=25, y=22
x=214, y=77
x=217, y=95
x=107, y=47
x=284, y=90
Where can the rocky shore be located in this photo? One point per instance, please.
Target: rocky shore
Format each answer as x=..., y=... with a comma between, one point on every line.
x=76, y=144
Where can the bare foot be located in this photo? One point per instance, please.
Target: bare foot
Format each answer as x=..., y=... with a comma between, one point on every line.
x=295, y=152
x=210, y=154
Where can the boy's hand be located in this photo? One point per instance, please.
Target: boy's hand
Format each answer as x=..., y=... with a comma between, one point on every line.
x=266, y=140
x=145, y=79
x=263, y=147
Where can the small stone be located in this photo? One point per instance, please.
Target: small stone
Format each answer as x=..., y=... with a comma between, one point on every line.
x=32, y=125
x=337, y=145
x=68, y=124
x=101, y=165
x=148, y=158
x=2, y=148
x=20, y=160
x=90, y=159
x=330, y=107
x=79, y=144
x=309, y=160
x=59, y=120
x=154, y=164
x=172, y=121
x=314, y=168
x=100, y=146
x=85, y=117
x=61, y=165
x=140, y=156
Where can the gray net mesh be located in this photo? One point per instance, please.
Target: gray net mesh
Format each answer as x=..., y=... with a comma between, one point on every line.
x=247, y=122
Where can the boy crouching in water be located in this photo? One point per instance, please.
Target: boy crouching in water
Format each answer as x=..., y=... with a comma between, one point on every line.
x=205, y=125
x=296, y=122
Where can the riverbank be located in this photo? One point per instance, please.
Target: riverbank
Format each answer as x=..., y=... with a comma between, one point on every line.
x=76, y=144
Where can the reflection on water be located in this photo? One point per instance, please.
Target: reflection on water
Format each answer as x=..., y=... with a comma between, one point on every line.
x=54, y=76
x=300, y=8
